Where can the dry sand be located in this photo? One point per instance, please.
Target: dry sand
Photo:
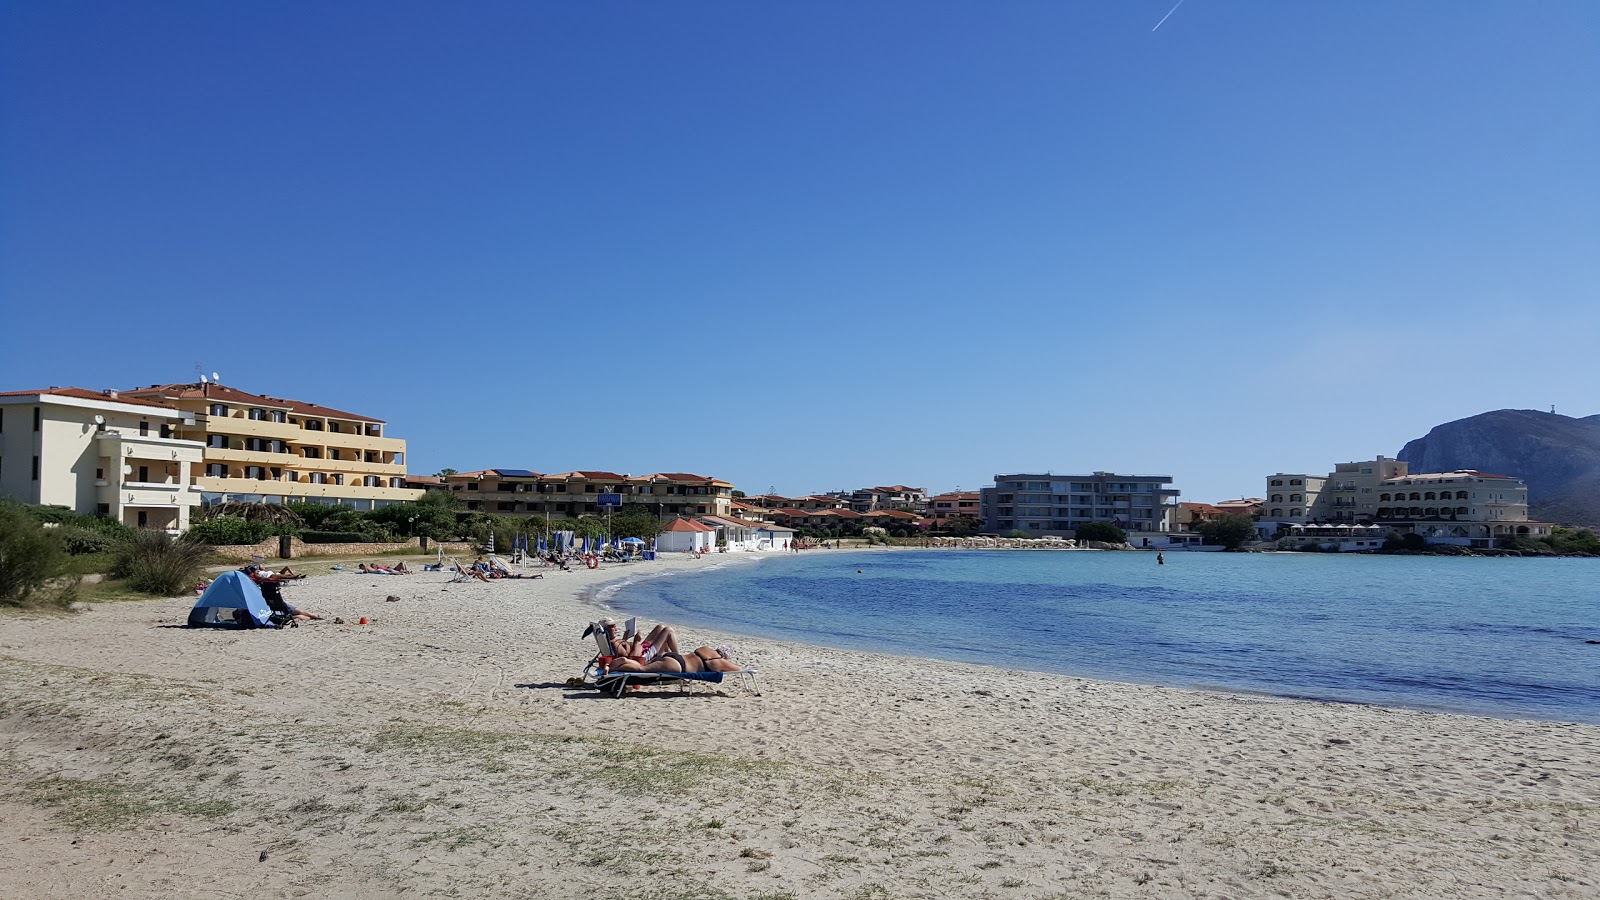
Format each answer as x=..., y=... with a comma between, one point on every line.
x=438, y=752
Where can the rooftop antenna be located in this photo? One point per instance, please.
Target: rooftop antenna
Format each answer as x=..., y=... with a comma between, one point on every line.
x=1552, y=409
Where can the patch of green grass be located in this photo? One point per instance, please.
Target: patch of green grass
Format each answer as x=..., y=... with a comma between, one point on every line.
x=108, y=802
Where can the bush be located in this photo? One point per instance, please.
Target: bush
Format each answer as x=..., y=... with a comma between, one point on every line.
x=338, y=537
x=80, y=541
x=228, y=530
x=1100, y=531
x=29, y=555
x=155, y=562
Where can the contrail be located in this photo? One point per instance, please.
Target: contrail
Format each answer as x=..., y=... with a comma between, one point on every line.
x=1168, y=15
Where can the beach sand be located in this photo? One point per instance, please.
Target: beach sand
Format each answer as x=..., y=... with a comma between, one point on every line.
x=439, y=752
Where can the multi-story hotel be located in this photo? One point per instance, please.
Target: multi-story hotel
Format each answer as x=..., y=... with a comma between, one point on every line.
x=98, y=453
x=260, y=449
x=1466, y=507
x=1345, y=495
x=572, y=494
x=1056, y=505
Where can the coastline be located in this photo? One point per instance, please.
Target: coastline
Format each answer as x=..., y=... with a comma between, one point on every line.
x=440, y=750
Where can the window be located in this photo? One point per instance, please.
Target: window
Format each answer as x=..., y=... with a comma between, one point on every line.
x=1294, y=513
x=333, y=426
x=279, y=415
x=313, y=453
x=1277, y=482
x=1295, y=498
x=144, y=474
x=36, y=466
x=166, y=430
x=506, y=505
x=333, y=452
x=144, y=429
x=144, y=518
x=217, y=409
x=258, y=415
x=216, y=470
x=99, y=474
x=1295, y=481
x=1278, y=498
x=1277, y=512
x=313, y=425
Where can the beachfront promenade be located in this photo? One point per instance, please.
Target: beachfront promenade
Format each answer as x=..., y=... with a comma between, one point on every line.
x=438, y=751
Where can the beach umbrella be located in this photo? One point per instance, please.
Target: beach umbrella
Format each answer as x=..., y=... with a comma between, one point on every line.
x=632, y=540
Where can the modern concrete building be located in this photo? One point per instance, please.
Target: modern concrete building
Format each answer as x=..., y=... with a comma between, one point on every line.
x=261, y=449
x=98, y=452
x=1055, y=505
x=572, y=494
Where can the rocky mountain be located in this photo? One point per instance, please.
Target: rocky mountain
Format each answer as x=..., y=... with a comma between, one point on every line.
x=1558, y=456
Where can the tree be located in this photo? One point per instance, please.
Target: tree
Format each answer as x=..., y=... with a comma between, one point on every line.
x=962, y=526
x=1100, y=531
x=1231, y=531
x=738, y=494
x=442, y=473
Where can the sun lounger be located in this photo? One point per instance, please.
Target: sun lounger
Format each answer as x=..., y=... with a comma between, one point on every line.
x=617, y=683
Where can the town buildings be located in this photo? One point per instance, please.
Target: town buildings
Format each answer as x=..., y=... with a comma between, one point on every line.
x=572, y=494
x=261, y=449
x=944, y=507
x=99, y=452
x=1056, y=505
x=1467, y=507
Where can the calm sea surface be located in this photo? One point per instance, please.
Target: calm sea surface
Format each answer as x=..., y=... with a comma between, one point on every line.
x=1501, y=637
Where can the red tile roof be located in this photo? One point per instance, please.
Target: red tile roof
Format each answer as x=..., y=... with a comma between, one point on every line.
x=86, y=394
x=686, y=525
x=225, y=394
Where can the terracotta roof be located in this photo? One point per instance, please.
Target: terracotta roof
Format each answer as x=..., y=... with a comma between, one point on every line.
x=893, y=514
x=792, y=512
x=686, y=476
x=686, y=525
x=86, y=394
x=225, y=394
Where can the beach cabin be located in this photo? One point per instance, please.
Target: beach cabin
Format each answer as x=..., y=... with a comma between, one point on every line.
x=685, y=536
x=774, y=537
x=735, y=534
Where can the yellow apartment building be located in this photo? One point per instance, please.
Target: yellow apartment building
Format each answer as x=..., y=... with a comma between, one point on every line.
x=261, y=449
x=571, y=494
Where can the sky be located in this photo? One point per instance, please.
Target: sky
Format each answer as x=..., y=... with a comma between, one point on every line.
x=823, y=245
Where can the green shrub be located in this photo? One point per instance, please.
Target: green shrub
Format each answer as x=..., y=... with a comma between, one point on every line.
x=79, y=541
x=1100, y=531
x=230, y=530
x=29, y=555
x=155, y=562
x=338, y=537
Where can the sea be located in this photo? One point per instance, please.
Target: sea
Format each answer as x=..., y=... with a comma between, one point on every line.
x=1483, y=636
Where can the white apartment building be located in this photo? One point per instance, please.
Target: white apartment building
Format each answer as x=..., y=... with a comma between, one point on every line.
x=97, y=452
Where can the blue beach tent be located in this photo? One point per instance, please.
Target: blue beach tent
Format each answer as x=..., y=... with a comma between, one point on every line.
x=232, y=601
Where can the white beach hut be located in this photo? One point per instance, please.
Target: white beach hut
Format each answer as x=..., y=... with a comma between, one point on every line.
x=685, y=536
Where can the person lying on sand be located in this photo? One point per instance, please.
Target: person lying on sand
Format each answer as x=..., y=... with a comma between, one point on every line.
x=273, y=594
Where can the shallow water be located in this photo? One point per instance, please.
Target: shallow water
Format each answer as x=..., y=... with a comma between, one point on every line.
x=1501, y=637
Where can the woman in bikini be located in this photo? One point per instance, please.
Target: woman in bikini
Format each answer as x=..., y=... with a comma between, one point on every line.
x=658, y=652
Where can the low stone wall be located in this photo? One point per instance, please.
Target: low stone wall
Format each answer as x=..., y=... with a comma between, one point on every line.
x=299, y=549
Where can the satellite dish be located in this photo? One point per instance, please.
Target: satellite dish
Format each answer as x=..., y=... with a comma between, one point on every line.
x=202, y=379
x=217, y=378
x=99, y=420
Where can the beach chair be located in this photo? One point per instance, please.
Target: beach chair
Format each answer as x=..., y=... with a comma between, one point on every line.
x=617, y=683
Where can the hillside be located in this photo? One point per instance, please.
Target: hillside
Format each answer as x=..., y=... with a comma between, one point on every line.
x=1558, y=456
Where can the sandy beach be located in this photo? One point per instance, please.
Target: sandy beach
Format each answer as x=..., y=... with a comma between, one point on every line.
x=439, y=752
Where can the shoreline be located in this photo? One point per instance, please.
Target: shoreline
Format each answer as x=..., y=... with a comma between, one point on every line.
x=439, y=750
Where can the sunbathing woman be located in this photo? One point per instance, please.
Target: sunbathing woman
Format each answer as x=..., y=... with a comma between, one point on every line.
x=662, y=655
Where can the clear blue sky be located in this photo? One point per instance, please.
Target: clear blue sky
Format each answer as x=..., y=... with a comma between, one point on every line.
x=820, y=245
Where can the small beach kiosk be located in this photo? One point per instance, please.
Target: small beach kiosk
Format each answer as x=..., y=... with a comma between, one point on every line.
x=685, y=536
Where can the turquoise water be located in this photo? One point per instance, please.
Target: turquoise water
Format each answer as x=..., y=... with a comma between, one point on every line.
x=1501, y=637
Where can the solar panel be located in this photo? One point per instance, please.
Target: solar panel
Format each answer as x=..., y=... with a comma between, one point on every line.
x=516, y=473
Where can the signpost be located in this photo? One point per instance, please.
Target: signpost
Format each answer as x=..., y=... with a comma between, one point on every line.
x=608, y=502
